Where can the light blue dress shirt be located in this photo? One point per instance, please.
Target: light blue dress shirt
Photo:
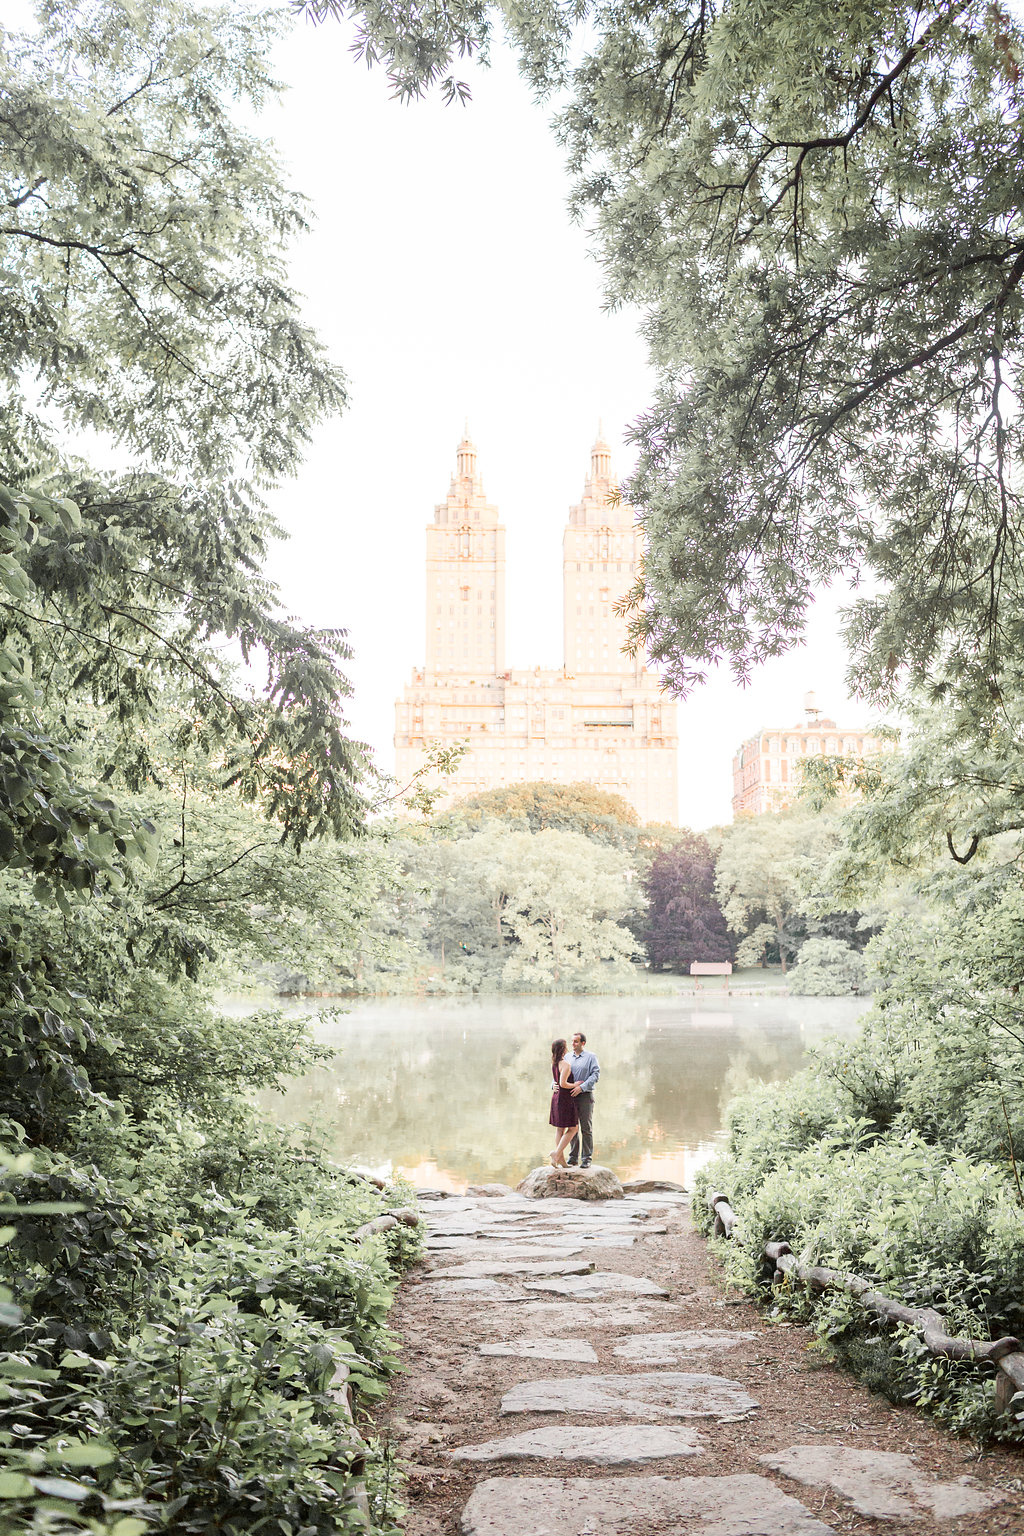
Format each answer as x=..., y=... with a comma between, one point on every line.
x=585, y=1070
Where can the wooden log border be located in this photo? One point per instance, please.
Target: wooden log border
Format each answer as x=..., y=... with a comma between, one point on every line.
x=1007, y=1354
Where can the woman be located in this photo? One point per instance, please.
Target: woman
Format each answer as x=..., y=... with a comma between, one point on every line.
x=564, y=1115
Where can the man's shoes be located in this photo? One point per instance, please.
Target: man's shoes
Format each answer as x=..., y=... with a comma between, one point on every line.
x=572, y=1163
x=586, y=1164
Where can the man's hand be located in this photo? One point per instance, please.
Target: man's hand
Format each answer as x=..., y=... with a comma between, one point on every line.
x=575, y=1089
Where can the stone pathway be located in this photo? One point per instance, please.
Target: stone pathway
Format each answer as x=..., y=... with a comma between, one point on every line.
x=543, y=1370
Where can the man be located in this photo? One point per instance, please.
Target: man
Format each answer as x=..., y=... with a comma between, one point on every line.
x=584, y=1072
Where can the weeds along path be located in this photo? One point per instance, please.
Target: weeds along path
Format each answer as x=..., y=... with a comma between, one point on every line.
x=578, y=1369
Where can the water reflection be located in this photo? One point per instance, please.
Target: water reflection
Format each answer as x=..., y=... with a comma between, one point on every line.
x=451, y=1092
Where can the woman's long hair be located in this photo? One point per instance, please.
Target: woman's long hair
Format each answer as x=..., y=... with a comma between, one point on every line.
x=558, y=1050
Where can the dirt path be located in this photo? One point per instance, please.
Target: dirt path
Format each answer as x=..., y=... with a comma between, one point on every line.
x=618, y=1390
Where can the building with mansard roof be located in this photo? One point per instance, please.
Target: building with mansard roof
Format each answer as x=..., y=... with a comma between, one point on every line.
x=599, y=719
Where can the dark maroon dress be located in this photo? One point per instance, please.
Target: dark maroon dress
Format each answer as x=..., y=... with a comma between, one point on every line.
x=563, y=1107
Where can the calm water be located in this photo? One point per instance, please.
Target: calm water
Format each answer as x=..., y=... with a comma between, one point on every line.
x=450, y=1092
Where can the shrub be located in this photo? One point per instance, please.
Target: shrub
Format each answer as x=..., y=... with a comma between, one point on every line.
x=828, y=968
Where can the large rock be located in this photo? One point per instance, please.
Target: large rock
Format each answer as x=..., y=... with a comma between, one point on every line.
x=601, y=1283
x=648, y=1395
x=544, y=1349
x=667, y=1348
x=883, y=1484
x=549, y=1183
x=622, y=1506
x=611, y=1445
x=652, y=1187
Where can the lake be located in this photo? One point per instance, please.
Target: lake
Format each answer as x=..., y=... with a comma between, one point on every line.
x=456, y=1091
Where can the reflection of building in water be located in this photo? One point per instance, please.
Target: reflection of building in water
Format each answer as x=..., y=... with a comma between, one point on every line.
x=599, y=719
x=767, y=770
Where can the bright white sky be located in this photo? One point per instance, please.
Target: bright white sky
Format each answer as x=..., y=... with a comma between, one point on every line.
x=446, y=277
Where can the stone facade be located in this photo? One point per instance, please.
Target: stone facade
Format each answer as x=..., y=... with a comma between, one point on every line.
x=766, y=771
x=600, y=719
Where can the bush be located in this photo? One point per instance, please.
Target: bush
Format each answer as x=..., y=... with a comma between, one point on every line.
x=828, y=968
x=928, y=1225
x=183, y=1314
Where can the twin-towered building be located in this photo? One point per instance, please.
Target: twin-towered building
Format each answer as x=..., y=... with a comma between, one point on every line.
x=600, y=719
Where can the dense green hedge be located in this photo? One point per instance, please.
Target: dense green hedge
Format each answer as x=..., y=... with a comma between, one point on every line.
x=181, y=1322
x=930, y=1227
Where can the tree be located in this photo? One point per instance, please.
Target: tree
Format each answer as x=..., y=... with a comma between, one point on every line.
x=768, y=869
x=146, y=304
x=827, y=968
x=684, y=921
x=504, y=907
x=815, y=209
x=566, y=896
x=563, y=807
x=158, y=809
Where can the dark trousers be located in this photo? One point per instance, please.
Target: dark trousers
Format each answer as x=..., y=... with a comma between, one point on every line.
x=585, y=1109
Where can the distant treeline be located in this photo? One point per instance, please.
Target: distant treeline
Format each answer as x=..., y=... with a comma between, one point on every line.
x=551, y=886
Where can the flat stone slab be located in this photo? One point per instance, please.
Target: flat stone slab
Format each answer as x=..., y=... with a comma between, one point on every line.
x=603, y=1282
x=580, y=1315
x=594, y=1183
x=667, y=1348
x=479, y=1268
x=544, y=1349
x=623, y=1506
x=884, y=1484
x=647, y=1395
x=460, y=1290
x=611, y=1445
x=514, y=1250
x=602, y=1231
x=489, y=1191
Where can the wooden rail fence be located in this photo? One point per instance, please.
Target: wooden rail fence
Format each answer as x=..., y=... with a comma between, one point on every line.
x=1005, y=1354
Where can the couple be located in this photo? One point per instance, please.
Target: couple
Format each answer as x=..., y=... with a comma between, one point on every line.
x=572, y=1100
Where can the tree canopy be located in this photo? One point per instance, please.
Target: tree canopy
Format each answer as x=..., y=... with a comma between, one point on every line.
x=540, y=804
x=147, y=324
x=816, y=209
x=683, y=920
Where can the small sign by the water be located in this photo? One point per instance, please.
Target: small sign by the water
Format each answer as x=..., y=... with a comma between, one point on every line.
x=711, y=968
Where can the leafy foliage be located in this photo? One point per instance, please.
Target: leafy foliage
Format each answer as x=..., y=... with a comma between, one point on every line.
x=520, y=909
x=539, y=805
x=182, y=1290
x=684, y=921
x=145, y=306
x=767, y=871
x=827, y=968
x=814, y=208
x=897, y=1153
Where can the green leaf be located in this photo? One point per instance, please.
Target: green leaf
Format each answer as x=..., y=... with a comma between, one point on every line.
x=82, y=1453
x=14, y=1485
x=61, y=1488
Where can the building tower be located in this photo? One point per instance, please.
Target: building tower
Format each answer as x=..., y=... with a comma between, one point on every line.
x=466, y=577
x=601, y=548
x=602, y=719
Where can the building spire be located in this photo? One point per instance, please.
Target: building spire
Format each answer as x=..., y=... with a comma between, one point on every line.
x=601, y=457
x=466, y=456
